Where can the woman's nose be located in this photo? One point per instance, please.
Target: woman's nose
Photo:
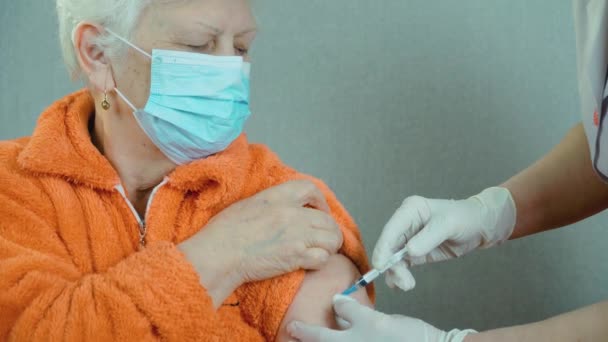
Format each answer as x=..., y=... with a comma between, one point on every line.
x=225, y=46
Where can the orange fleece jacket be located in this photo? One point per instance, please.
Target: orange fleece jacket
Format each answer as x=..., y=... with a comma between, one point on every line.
x=70, y=264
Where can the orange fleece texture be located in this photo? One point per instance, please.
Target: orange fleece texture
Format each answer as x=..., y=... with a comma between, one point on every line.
x=70, y=264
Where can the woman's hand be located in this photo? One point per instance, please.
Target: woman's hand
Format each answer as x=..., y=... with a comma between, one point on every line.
x=272, y=233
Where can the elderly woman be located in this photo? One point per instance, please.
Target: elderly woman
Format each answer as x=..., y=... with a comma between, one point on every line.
x=138, y=211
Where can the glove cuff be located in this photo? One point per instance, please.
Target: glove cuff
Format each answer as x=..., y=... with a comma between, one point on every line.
x=457, y=335
x=500, y=215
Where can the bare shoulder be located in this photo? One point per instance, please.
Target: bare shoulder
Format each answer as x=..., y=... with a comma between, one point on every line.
x=313, y=302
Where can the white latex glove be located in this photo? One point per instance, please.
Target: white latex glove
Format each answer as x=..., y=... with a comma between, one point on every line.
x=437, y=230
x=361, y=323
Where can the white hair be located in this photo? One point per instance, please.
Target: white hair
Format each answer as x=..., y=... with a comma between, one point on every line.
x=121, y=16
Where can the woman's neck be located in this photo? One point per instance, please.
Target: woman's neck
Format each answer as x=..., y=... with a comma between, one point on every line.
x=139, y=164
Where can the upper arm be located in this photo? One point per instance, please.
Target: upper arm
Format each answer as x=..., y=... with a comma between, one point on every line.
x=271, y=304
x=313, y=302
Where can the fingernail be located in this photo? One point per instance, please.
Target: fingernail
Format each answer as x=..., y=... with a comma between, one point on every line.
x=406, y=285
x=291, y=327
x=342, y=298
x=400, y=280
x=342, y=323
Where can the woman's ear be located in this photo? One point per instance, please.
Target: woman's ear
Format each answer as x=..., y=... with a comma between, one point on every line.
x=93, y=59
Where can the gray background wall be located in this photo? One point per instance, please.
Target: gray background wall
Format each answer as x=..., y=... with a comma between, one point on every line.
x=385, y=99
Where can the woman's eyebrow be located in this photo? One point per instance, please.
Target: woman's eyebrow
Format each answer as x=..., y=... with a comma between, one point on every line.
x=218, y=31
x=248, y=31
x=210, y=27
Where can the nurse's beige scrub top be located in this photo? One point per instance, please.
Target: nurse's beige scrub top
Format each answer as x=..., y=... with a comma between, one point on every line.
x=591, y=23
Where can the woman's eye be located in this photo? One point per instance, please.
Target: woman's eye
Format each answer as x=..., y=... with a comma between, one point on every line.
x=241, y=51
x=203, y=47
x=198, y=47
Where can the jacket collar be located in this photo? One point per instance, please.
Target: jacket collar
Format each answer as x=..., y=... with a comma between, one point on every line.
x=61, y=147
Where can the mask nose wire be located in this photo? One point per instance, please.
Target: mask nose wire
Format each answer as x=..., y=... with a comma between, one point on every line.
x=136, y=48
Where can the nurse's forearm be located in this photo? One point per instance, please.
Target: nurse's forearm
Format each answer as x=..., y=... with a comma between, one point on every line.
x=587, y=324
x=559, y=189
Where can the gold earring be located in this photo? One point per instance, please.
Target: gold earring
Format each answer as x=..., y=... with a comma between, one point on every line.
x=105, y=104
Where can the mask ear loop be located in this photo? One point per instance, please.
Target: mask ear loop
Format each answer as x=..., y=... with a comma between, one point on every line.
x=138, y=49
x=118, y=92
x=124, y=98
x=121, y=95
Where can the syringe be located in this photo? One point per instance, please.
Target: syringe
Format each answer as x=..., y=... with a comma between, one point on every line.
x=370, y=276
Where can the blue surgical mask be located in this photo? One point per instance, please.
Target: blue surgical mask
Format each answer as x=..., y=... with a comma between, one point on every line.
x=198, y=103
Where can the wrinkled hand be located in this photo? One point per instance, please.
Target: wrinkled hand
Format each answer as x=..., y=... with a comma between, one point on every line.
x=360, y=323
x=437, y=230
x=272, y=233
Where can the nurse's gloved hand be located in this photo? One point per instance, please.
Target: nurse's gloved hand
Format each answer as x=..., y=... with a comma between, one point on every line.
x=360, y=323
x=437, y=230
